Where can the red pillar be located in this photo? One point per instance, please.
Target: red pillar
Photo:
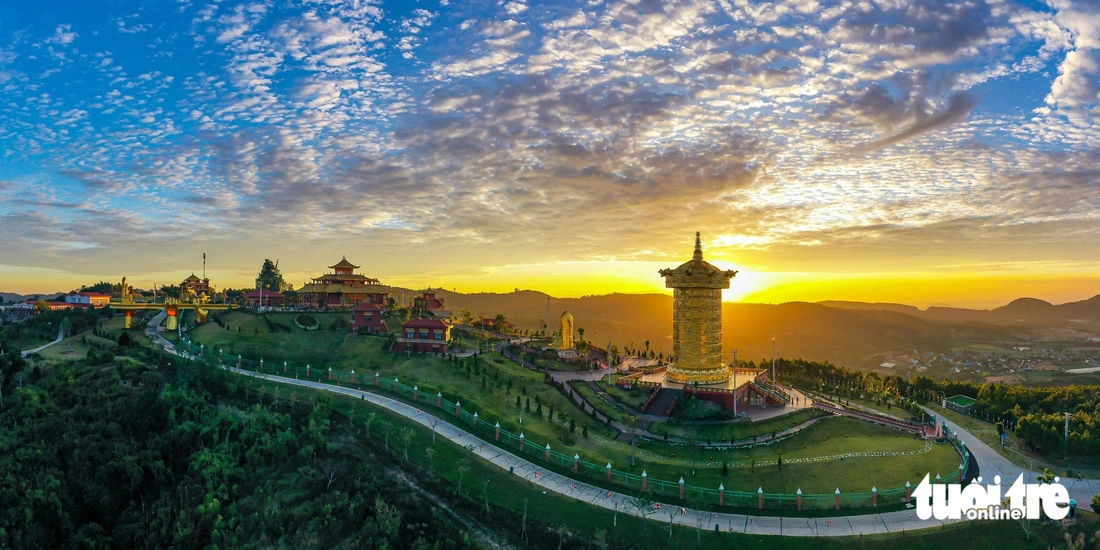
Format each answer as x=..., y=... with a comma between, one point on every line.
x=760, y=499
x=576, y=463
x=800, y=499
x=307, y=370
x=521, y=442
x=439, y=403
x=458, y=408
x=330, y=374
x=352, y=377
x=609, y=472
x=721, y=495
x=908, y=492
x=874, y=497
x=497, y=434
x=377, y=379
x=548, y=452
x=681, y=488
x=838, y=499
x=645, y=484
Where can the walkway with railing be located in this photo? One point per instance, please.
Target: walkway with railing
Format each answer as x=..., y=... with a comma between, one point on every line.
x=542, y=452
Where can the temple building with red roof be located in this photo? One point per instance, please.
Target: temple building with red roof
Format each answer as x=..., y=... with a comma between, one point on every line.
x=94, y=299
x=263, y=298
x=343, y=288
x=366, y=318
x=194, y=286
x=423, y=336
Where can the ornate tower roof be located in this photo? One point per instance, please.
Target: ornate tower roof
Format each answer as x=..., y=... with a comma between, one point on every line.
x=344, y=264
x=697, y=273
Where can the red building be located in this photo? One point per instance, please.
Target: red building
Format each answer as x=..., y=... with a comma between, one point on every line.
x=423, y=336
x=428, y=303
x=263, y=298
x=94, y=299
x=196, y=287
x=343, y=288
x=366, y=318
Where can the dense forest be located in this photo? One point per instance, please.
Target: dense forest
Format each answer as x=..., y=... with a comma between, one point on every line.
x=110, y=453
x=1037, y=415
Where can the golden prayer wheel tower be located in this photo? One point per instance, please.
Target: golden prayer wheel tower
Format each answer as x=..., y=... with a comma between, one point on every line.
x=697, y=320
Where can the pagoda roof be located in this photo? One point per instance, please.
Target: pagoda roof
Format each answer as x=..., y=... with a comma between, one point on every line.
x=193, y=277
x=344, y=263
x=696, y=272
x=345, y=289
x=339, y=277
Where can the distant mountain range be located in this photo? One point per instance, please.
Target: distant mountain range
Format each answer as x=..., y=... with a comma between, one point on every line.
x=13, y=297
x=856, y=334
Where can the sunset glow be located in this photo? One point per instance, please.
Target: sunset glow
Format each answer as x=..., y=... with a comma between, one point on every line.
x=572, y=148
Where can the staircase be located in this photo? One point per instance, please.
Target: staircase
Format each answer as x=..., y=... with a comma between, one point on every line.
x=881, y=420
x=662, y=403
x=771, y=391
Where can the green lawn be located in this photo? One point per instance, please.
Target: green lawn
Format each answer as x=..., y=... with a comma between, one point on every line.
x=602, y=405
x=735, y=430
x=490, y=384
x=635, y=397
x=509, y=495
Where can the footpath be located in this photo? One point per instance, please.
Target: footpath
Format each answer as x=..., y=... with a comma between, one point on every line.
x=839, y=526
x=60, y=337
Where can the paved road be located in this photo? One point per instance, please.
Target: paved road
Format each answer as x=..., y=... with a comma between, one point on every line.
x=891, y=522
x=805, y=527
x=991, y=463
x=60, y=336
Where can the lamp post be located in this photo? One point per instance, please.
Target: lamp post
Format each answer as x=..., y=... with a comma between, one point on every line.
x=735, y=382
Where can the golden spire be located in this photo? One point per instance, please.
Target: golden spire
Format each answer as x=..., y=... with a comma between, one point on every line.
x=698, y=248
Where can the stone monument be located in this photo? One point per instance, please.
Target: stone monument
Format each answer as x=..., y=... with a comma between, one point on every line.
x=567, y=331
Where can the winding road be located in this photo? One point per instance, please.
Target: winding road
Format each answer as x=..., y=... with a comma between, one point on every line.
x=839, y=526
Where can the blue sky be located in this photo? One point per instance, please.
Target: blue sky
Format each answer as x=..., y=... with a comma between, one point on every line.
x=456, y=143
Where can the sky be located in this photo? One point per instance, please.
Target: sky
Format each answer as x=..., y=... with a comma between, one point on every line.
x=916, y=151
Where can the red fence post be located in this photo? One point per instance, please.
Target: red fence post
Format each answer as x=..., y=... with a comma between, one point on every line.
x=799, y=493
x=760, y=498
x=609, y=472
x=645, y=485
x=721, y=495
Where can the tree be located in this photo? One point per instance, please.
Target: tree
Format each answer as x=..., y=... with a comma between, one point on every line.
x=366, y=424
x=387, y=428
x=433, y=423
x=462, y=468
x=406, y=438
x=387, y=516
x=431, y=456
x=580, y=331
x=500, y=322
x=270, y=278
x=330, y=468
x=42, y=306
x=561, y=530
x=465, y=317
